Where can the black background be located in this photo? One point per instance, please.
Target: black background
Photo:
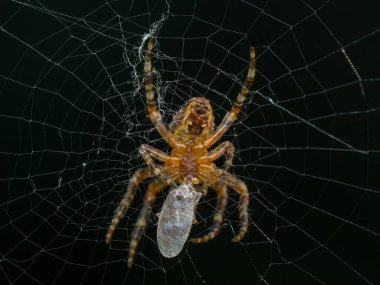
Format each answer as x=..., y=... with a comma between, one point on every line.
x=310, y=158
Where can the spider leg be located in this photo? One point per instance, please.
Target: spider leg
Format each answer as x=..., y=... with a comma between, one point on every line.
x=148, y=153
x=225, y=148
x=153, y=188
x=157, y=154
x=154, y=115
x=221, y=190
x=232, y=114
x=139, y=175
x=240, y=187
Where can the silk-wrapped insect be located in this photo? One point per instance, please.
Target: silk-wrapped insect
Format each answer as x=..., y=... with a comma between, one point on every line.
x=176, y=218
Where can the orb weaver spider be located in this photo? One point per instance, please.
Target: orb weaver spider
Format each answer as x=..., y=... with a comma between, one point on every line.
x=190, y=135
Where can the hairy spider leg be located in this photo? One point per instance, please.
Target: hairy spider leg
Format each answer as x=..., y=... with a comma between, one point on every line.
x=155, y=153
x=142, y=221
x=225, y=148
x=221, y=191
x=147, y=152
x=240, y=187
x=236, y=107
x=154, y=115
x=139, y=175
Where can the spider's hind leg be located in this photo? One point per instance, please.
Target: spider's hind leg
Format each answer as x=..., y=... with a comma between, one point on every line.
x=236, y=107
x=221, y=190
x=154, y=114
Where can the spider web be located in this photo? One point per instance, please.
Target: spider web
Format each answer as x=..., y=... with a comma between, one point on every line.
x=73, y=115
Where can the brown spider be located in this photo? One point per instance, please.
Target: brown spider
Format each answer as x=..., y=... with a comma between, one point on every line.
x=190, y=135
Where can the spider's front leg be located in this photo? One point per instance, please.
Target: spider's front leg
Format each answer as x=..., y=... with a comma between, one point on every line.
x=221, y=191
x=240, y=187
x=142, y=221
x=139, y=175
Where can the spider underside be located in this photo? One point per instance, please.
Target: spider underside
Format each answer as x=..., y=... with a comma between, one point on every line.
x=190, y=135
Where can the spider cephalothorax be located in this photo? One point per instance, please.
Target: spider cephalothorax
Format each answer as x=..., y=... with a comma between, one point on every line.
x=190, y=135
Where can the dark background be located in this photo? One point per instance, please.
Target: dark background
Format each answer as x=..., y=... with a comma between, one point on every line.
x=72, y=116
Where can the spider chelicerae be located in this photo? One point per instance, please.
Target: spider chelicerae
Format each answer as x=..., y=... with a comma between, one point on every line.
x=190, y=135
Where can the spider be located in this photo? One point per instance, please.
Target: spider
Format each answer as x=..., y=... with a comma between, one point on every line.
x=190, y=135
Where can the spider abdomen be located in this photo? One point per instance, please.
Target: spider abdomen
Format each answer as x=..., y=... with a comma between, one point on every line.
x=194, y=121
